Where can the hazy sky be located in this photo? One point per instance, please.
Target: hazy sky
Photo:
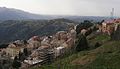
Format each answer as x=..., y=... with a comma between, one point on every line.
x=65, y=7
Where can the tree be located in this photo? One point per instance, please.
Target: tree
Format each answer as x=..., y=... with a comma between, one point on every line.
x=16, y=64
x=84, y=25
x=115, y=35
x=88, y=32
x=21, y=56
x=25, y=51
x=82, y=43
x=102, y=21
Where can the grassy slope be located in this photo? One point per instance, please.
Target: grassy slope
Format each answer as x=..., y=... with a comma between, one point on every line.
x=106, y=56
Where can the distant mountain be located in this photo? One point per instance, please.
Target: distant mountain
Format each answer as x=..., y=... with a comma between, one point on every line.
x=15, y=14
x=82, y=18
x=12, y=30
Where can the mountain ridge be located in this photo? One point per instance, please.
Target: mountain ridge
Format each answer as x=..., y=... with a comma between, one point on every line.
x=16, y=14
x=11, y=30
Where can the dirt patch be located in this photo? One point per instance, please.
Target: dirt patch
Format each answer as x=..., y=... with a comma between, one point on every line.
x=84, y=60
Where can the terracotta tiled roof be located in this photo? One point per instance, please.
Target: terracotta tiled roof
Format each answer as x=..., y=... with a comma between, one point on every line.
x=112, y=21
x=109, y=22
x=117, y=20
x=35, y=38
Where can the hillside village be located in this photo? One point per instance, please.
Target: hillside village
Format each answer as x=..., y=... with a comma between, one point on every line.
x=41, y=49
x=38, y=51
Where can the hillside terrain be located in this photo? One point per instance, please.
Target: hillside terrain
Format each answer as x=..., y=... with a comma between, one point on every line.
x=15, y=14
x=105, y=56
x=11, y=30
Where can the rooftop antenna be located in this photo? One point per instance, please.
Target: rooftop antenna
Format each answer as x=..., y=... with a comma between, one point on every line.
x=112, y=13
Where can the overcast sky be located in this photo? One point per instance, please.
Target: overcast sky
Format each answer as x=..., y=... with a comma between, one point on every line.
x=65, y=7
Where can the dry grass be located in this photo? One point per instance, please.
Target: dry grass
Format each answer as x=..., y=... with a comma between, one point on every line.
x=83, y=60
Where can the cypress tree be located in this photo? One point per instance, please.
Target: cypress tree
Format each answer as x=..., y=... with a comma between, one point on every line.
x=82, y=43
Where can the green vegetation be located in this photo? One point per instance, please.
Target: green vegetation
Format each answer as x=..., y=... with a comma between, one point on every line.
x=12, y=30
x=16, y=64
x=107, y=56
x=84, y=25
x=100, y=38
x=82, y=43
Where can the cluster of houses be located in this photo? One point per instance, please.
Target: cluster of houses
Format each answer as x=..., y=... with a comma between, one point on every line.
x=43, y=49
x=109, y=26
x=46, y=49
